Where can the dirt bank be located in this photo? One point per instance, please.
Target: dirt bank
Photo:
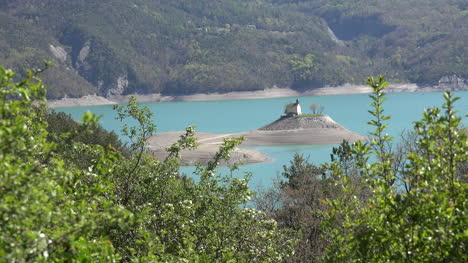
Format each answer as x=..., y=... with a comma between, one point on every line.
x=89, y=100
x=262, y=94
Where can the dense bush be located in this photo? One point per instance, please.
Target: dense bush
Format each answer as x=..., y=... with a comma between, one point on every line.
x=296, y=203
x=60, y=124
x=69, y=200
x=377, y=202
x=420, y=222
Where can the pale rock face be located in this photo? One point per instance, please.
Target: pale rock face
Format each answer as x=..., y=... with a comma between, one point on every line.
x=58, y=52
x=84, y=52
x=122, y=84
x=453, y=82
x=100, y=83
x=333, y=36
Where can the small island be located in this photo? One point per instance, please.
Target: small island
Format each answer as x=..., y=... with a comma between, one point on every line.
x=292, y=128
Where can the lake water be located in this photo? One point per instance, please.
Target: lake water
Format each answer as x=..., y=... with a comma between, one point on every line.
x=243, y=115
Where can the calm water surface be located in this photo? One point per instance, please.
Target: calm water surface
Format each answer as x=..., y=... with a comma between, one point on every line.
x=244, y=115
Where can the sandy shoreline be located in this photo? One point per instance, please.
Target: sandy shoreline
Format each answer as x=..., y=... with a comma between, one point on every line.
x=89, y=100
x=92, y=100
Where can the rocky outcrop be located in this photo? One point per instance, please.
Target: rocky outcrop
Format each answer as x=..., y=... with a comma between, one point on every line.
x=122, y=85
x=58, y=53
x=333, y=36
x=352, y=27
x=96, y=62
x=84, y=52
x=453, y=82
x=301, y=122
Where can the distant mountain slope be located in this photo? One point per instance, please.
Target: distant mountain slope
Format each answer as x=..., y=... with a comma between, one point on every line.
x=412, y=40
x=180, y=47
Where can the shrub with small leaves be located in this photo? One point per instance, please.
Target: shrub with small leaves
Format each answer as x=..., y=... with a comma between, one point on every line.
x=424, y=222
x=64, y=200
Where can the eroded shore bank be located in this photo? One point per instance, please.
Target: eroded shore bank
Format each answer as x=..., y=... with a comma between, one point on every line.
x=91, y=100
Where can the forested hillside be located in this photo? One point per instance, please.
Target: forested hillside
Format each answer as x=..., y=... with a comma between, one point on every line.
x=184, y=47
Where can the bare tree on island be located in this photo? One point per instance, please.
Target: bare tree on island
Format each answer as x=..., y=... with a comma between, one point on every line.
x=317, y=108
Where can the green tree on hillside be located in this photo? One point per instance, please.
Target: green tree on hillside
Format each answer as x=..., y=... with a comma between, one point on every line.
x=303, y=68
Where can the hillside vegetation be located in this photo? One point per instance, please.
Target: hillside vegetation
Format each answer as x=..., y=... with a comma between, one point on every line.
x=184, y=47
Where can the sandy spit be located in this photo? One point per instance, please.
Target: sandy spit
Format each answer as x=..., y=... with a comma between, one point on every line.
x=209, y=145
x=262, y=94
x=316, y=133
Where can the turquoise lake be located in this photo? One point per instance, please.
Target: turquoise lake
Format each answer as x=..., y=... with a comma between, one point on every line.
x=232, y=116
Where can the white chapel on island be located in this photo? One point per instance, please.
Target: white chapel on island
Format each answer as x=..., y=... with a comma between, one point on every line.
x=292, y=109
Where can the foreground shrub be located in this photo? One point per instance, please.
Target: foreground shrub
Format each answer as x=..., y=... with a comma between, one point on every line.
x=65, y=199
x=424, y=218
